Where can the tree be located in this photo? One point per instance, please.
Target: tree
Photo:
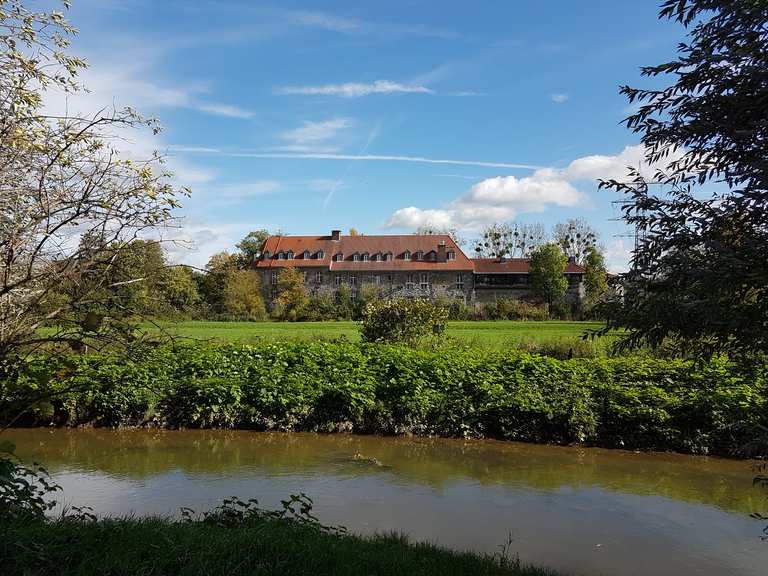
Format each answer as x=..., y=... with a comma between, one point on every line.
x=576, y=238
x=595, y=277
x=62, y=178
x=547, y=272
x=251, y=246
x=431, y=230
x=213, y=283
x=401, y=320
x=501, y=240
x=292, y=298
x=179, y=289
x=699, y=274
x=354, y=232
x=242, y=295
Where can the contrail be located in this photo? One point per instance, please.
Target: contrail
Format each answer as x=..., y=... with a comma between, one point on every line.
x=354, y=157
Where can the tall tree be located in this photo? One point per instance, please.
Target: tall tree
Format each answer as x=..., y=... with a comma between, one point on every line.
x=547, y=272
x=62, y=178
x=576, y=238
x=700, y=271
x=502, y=240
x=431, y=230
x=242, y=295
x=292, y=296
x=251, y=247
x=595, y=277
x=213, y=283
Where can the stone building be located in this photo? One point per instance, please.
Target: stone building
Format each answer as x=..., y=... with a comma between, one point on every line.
x=409, y=264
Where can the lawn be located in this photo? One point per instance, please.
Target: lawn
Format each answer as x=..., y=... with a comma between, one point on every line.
x=495, y=334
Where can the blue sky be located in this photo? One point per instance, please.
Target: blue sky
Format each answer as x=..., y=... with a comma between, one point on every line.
x=307, y=116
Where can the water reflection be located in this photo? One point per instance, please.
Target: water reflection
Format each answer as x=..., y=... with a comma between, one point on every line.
x=584, y=510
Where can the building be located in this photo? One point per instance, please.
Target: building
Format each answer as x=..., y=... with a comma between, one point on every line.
x=407, y=265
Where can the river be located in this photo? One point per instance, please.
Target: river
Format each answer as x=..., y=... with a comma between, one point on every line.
x=581, y=510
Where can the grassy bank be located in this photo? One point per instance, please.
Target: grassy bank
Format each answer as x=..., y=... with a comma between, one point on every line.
x=152, y=546
x=448, y=391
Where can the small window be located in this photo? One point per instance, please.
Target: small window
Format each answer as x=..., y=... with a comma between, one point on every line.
x=273, y=278
x=377, y=257
x=280, y=256
x=389, y=278
x=365, y=256
x=451, y=255
x=409, y=281
x=320, y=255
x=459, y=281
x=267, y=255
x=356, y=257
x=337, y=281
x=377, y=279
x=290, y=255
x=339, y=257
x=353, y=280
x=274, y=293
x=406, y=255
x=318, y=277
x=424, y=284
x=419, y=255
x=387, y=256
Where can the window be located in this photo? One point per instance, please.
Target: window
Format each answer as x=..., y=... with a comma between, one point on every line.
x=339, y=257
x=459, y=281
x=451, y=255
x=320, y=255
x=267, y=255
x=318, y=277
x=280, y=256
x=353, y=280
x=290, y=254
x=274, y=293
x=389, y=278
x=365, y=256
x=353, y=294
x=406, y=255
x=356, y=257
x=377, y=257
x=273, y=279
x=337, y=281
x=306, y=255
x=377, y=279
x=409, y=281
x=424, y=284
x=419, y=255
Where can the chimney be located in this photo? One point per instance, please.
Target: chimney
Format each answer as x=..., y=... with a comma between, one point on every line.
x=335, y=234
x=441, y=251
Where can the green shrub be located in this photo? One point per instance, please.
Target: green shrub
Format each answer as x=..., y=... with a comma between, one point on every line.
x=447, y=390
x=401, y=320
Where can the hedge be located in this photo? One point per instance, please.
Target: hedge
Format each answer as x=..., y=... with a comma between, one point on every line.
x=638, y=403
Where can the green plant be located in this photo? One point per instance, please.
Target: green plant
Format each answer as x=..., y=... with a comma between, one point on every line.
x=401, y=320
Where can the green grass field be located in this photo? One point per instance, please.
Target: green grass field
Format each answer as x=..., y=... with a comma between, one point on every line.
x=495, y=334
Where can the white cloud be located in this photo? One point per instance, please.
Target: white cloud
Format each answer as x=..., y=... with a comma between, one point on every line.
x=314, y=132
x=617, y=255
x=505, y=197
x=355, y=89
x=323, y=21
x=559, y=98
x=224, y=110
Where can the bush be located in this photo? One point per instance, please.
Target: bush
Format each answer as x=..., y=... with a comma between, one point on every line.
x=513, y=309
x=401, y=320
x=630, y=402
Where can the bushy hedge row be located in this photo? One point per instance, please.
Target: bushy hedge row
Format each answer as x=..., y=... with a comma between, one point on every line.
x=372, y=388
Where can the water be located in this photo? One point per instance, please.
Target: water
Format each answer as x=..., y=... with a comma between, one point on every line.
x=584, y=511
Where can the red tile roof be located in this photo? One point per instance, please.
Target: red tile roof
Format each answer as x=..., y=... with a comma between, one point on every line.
x=397, y=245
x=514, y=266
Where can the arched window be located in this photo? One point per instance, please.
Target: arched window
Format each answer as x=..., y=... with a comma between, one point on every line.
x=406, y=255
x=365, y=256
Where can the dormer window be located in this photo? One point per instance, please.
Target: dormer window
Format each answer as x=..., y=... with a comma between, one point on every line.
x=356, y=257
x=339, y=257
x=419, y=255
x=281, y=255
x=320, y=255
x=406, y=255
x=290, y=254
x=365, y=256
x=387, y=256
x=267, y=255
x=306, y=255
x=451, y=255
x=377, y=257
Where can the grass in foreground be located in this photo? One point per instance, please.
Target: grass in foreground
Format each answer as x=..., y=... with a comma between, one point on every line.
x=156, y=546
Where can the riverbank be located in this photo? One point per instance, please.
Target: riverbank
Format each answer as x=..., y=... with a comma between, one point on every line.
x=232, y=546
x=628, y=402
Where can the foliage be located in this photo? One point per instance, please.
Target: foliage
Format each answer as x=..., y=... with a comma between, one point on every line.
x=576, y=238
x=433, y=230
x=401, y=320
x=242, y=295
x=595, y=278
x=292, y=298
x=24, y=492
x=631, y=402
x=501, y=240
x=547, y=272
x=700, y=271
x=61, y=176
x=250, y=247
x=510, y=309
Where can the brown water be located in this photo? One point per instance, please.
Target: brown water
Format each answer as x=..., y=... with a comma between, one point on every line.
x=585, y=511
